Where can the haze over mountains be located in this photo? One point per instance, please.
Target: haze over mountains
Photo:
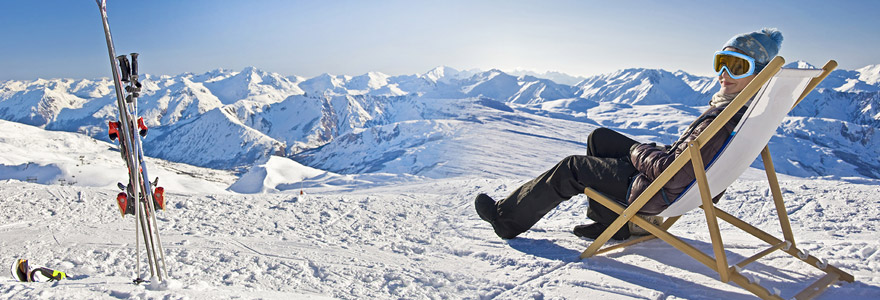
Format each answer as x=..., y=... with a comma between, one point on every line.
x=441, y=123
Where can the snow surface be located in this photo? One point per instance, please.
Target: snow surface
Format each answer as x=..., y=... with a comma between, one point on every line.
x=385, y=238
x=362, y=187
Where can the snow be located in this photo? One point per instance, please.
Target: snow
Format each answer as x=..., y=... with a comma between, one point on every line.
x=254, y=85
x=556, y=77
x=269, y=176
x=363, y=187
x=870, y=74
x=382, y=237
x=417, y=240
x=800, y=65
x=52, y=157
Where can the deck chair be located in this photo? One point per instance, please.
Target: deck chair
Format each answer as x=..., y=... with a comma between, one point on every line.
x=776, y=92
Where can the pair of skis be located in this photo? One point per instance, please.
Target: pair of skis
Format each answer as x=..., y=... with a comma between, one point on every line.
x=137, y=197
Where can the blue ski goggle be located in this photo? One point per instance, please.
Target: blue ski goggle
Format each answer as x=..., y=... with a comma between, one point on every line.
x=738, y=65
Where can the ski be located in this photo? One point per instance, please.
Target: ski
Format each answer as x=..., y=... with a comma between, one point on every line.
x=138, y=197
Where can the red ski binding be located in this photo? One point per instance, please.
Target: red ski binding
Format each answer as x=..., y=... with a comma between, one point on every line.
x=122, y=201
x=159, y=198
x=113, y=130
x=142, y=127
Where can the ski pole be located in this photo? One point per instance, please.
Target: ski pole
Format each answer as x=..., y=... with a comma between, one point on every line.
x=125, y=141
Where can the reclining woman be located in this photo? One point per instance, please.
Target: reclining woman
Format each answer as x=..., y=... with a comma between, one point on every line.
x=622, y=168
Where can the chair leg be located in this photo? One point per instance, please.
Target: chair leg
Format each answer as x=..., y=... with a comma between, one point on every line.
x=613, y=228
x=777, y=195
x=709, y=209
x=626, y=214
x=665, y=226
x=676, y=242
x=792, y=250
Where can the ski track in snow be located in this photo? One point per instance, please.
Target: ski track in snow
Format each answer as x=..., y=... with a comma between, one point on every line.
x=419, y=240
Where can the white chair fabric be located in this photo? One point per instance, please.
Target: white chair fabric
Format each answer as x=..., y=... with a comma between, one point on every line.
x=766, y=112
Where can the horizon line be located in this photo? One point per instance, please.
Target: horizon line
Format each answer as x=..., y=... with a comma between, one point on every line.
x=476, y=70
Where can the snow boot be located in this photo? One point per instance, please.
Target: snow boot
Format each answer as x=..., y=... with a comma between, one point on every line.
x=636, y=230
x=486, y=208
x=592, y=231
x=488, y=211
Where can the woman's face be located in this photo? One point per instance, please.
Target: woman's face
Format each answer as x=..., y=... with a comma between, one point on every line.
x=730, y=85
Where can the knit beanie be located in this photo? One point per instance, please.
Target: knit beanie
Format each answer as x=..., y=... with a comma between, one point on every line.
x=761, y=45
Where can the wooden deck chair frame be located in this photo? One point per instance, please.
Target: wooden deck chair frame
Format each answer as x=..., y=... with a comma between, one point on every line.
x=719, y=263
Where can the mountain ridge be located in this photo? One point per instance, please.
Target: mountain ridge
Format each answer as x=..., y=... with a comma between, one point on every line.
x=259, y=113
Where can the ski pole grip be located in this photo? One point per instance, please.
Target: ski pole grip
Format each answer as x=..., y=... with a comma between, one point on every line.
x=134, y=64
x=124, y=67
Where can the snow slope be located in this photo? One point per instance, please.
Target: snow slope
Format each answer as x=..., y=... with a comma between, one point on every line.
x=416, y=241
x=63, y=158
x=385, y=237
x=268, y=176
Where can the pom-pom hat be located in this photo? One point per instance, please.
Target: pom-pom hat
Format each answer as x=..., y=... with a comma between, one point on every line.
x=761, y=45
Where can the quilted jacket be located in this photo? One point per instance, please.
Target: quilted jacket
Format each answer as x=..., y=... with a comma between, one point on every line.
x=650, y=160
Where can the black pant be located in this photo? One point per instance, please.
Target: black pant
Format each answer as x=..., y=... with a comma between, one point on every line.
x=606, y=168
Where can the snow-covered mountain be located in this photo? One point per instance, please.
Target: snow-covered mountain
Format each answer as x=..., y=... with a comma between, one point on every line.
x=40, y=101
x=854, y=81
x=647, y=87
x=215, y=139
x=325, y=83
x=53, y=157
x=525, y=89
x=251, y=84
x=414, y=124
x=557, y=77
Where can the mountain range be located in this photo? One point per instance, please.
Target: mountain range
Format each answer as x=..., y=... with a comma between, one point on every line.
x=437, y=123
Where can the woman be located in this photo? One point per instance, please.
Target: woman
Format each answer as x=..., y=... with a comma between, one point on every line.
x=622, y=168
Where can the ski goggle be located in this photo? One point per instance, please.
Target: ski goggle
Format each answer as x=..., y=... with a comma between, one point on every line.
x=738, y=65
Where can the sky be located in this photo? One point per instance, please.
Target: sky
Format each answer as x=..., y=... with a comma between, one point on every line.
x=65, y=38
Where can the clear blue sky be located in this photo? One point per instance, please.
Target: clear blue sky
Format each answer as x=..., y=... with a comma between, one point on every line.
x=64, y=38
